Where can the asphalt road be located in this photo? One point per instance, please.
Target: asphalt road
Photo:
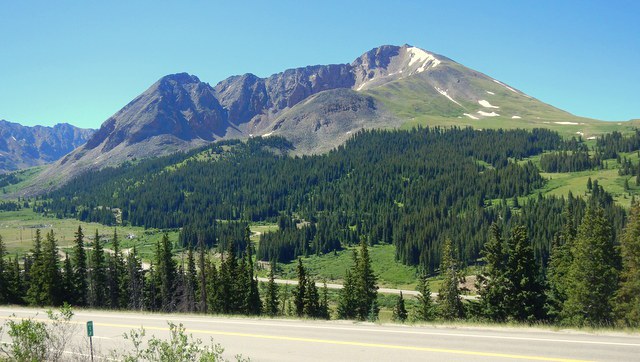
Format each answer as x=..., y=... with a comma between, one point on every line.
x=294, y=340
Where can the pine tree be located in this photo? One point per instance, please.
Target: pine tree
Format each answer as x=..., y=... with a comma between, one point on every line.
x=36, y=294
x=4, y=282
x=627, y=300
x=525, y=295
x=560, y=261
x=449, y=300
x=167, y=275
x=252, y=303
x=51, y=271
x=299, y=291
x=311, y=299
x=271, y=299
x=426, y=309
x=190, y=283
x=79, y=256
x=98, y=274
x=324, y=303
x=117, y=276
x=202, y=277
x=16, y=291
x=399, y=311
x=214, y=289
x=135, y=281
x=593, y=276
x=68, y=287
x=348, y=304
x=366, y=282
x=229, y=301
x=492, y=283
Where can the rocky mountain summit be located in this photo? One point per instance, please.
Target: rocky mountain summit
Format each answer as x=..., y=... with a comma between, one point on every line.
x=316, y=107
x=22, y=146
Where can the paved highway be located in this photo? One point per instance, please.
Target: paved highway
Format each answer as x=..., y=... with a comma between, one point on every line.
x=264, y=339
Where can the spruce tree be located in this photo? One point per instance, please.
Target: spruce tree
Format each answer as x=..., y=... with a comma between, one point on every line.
x=214, y=289
x=79, y=257
x=16, y=291
x=4, y=282
x=97, y=274
x=593, y=276
x=202, y=277
x=627, y=299
x=135, y=281
x=299, y=291
x=400, y=311
x=68, y=286
x=525, y=294
x=190, y=284
x=117, y=275
x=311, y=299
x=426, y=309
x=228, y=295
x=492, y=283
x=449, y=300
x=366, y=282
x=271, y=299
x=560, y=261
x=51, y=271
x=168, y=274
x=36, y=294
x=324, y=302
x=347, y=303
x=252, y=303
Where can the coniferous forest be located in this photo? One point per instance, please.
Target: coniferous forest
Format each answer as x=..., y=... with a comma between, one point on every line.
x=445, y=199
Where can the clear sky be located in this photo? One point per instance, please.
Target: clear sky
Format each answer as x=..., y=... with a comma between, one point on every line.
x=81, y=61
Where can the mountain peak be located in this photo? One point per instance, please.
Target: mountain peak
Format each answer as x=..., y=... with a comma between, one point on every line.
x=180, y=78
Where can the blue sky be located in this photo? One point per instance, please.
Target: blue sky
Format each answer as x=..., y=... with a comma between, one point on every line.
x=80, y=62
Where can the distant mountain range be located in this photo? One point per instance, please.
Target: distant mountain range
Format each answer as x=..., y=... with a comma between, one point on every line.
x=22, y=147
x=316, y=107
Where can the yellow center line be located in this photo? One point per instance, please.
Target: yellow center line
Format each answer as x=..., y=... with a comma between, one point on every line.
x=333, y=342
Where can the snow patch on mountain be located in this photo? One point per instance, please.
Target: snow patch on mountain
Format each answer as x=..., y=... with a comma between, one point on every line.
x=487, y=114
x=486, y=104
x=444, y=93
x=516, y=117
x=471, y=116
x=418, y=55
x=493, y=94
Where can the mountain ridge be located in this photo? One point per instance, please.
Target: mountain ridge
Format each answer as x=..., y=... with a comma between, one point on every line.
x=318, y=107
x=25, y=146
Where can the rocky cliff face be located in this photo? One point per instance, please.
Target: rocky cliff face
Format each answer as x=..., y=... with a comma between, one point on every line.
x=22, y=146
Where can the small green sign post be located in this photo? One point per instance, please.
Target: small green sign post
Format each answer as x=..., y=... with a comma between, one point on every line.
x=90, y=334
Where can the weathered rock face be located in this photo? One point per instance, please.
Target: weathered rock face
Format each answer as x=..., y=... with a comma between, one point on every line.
x=22, y=146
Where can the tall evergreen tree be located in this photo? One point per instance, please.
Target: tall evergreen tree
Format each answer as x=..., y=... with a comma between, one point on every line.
x=400, y=311
x=36, y=294
x=16, y=291
x=251, y=303
x=311, y=299
x=525, y=294
x=202, y=277
x=449, y=300
x=271, y=299
x=68, y=287
x=593, y=276
x=214, y=289
x=492, y=283
x=117, y=275
x=628, y=295
x=426, y=309
x=51, y=271
x=135, y=281
x=560, y=261
x=366, y=282
x=4, y=282
x=300, y=290
x=79, y=256
x=167, y=274
x=190, y=284
x=348, y=302
x=98, y=274
x=228, y=296
x=324, y=302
